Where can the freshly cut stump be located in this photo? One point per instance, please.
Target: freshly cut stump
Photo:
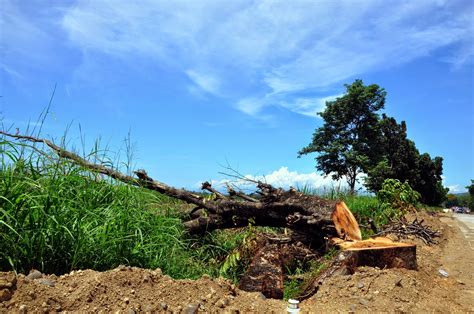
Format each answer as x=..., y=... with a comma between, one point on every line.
x=378, y=252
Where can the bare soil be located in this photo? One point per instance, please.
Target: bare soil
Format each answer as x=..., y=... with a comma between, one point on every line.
x=132, y=290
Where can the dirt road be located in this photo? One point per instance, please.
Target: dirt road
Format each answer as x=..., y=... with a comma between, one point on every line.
x=466, y=224
x=459, y=255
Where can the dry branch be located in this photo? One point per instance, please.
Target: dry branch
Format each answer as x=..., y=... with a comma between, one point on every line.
x=403, y=229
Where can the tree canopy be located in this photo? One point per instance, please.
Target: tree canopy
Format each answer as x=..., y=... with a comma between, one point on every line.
x=344, y=142
x=354, y=139
x=400, y=159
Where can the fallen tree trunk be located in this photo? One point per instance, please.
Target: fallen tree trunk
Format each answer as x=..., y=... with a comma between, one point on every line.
x=312, y=218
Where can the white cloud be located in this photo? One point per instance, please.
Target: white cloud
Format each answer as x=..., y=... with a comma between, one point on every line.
x=308, y=106
x=263, y=53
x=286, y=178
x=302, y=105
x=251, y=106
x=456, y=188
x=453, y=188
x=206, y=82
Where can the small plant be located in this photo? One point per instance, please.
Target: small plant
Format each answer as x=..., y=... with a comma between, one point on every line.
x=398, y=196
x=240, y=257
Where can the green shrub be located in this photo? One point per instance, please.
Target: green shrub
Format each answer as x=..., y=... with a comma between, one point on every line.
x=397, y=196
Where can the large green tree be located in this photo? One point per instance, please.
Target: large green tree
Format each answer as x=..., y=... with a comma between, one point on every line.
x=345, y=142
x=400, y=159
x=398, y=156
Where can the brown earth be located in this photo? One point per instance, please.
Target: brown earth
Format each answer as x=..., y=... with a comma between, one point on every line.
x=131, y=290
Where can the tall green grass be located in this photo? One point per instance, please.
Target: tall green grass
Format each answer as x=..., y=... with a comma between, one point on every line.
x=364, y=207
x=56, y=216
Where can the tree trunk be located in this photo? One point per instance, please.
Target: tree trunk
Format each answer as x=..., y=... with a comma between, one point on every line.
x=379, y=252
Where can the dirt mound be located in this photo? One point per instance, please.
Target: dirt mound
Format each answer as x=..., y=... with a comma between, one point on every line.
x=130, y=289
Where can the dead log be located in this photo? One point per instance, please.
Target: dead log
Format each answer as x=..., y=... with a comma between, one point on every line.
x=267, y=269
x=312, y=218
x=265, y=273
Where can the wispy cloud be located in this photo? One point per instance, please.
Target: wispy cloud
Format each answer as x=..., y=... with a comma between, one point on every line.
x=206, y=82
x=308, y=106
x=265, y=53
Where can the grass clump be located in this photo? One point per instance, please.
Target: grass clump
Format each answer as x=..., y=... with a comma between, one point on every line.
x=55, y=217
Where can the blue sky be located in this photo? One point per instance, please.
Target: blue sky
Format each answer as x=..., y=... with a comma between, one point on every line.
x=200, y=84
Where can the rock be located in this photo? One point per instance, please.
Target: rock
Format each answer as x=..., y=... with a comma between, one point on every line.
x=126, y=300
x=261, y=296
x=47, y=282
x=443, y=273
x=32, y=294
x=7, y=280
x=34, y=274
x=360, y=285
x=146, y=278
x=398, y=283
x=22, y=309
x=148, y=308
x=191, y=308
x=163, y=306
x=221, y=303
x=121, y=268
x=363, y=301
x=131, y=311
x=5, y=295
x=352, y=308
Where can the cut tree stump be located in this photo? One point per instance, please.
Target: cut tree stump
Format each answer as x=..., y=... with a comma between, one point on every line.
x=378, y=252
